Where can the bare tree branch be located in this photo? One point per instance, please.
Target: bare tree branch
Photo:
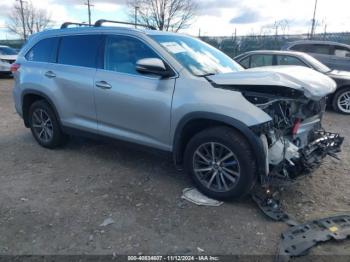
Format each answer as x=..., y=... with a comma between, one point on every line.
x=167, y=15
x=35, y=20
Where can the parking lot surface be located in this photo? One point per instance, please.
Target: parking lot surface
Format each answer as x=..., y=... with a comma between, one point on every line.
x=54, y=201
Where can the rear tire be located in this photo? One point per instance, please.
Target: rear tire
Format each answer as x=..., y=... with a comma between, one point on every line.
x=341, y=101
x=45, y=126
x=229, y=172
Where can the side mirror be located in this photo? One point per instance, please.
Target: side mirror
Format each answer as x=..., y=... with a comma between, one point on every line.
x=152, y=66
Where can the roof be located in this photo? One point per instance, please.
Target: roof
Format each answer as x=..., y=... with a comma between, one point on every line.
x=316, y=42
x=272, y=52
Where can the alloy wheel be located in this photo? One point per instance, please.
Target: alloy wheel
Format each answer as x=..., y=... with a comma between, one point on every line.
x=216, y=166
x=42, y=125
x=344, y=102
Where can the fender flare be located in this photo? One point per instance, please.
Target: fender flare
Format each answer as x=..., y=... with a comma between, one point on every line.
x=38, y=93
x=253, y=139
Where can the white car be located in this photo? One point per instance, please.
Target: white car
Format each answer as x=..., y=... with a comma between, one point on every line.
x=8, y=55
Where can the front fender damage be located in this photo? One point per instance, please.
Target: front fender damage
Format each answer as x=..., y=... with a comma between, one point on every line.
x=294, y=142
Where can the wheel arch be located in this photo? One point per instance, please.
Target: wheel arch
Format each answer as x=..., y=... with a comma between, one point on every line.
x=192, y=123
x=29, y=96
x=333, y=97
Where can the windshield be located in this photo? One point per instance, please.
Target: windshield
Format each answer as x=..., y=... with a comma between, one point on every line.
x=7, y=51
x=317, y=64
x=198, y=57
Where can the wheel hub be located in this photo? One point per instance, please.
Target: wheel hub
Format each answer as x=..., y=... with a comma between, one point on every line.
x=344, y=102
x=216, y=166
x=42, y=125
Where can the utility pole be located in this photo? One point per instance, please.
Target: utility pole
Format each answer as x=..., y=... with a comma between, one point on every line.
x=89, y=10
x=23, y=22
x=136, y=8
x=313, y=21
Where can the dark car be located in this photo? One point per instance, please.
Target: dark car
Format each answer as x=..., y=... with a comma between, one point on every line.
x=334, y=55
x=340, y=100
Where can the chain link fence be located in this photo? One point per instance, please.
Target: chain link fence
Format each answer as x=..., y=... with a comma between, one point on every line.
x=234, y=46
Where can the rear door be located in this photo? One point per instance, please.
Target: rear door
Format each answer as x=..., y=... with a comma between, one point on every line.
x=73, y=80
x=130, y=105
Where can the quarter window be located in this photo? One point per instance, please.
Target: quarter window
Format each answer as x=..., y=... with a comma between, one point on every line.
x=122, y=53
x=245, y=62
x=44, y=51
x=79, y=50
x=289, y=60
x=261, y=60
x=341, y=51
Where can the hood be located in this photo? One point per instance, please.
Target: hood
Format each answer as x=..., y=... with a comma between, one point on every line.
x=339, y=74
x=8, y=57
x=312, y=84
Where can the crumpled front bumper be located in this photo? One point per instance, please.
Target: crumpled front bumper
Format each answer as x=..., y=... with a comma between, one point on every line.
x=323, y=144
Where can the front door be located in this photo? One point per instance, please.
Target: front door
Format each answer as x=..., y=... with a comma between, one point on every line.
x=130, y=105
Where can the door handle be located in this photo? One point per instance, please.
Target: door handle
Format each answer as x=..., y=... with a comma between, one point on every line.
x=50, y=74
x=103, y=85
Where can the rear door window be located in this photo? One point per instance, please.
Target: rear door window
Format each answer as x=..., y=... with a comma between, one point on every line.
x=289, y=60
x=261, y=60
x=301, y=47
x=79, y=50
x=320, y=49
x=44, y=51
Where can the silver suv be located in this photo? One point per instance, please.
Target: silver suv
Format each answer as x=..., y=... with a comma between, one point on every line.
x=230, y=128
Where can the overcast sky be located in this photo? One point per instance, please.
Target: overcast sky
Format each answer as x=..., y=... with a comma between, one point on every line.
x=214, y=17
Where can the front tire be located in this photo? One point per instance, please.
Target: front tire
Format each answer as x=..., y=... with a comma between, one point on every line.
x=221, y=163
x=341, y=101
x=45, y=126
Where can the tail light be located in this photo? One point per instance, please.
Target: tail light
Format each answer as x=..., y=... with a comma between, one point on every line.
x=15, y=67
x=296, y=126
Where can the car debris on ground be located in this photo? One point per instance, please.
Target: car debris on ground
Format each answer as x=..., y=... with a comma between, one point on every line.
x=196, y=197
x=301, y=237
x=107, y=221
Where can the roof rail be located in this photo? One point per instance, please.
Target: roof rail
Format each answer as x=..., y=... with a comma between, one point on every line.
x=101, y=21
x=66, y=24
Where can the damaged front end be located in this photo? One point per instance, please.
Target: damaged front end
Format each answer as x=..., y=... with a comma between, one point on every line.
x=294, y=141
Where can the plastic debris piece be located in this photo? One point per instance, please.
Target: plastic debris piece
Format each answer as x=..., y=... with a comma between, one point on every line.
x=196, y=197
x=107, y=222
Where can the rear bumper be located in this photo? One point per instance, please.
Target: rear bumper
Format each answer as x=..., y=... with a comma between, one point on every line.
x=5, y=67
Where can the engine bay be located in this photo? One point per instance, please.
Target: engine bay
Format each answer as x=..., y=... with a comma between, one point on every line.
x=294, y=140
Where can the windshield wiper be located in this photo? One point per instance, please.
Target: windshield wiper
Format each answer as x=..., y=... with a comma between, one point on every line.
x=207, y=74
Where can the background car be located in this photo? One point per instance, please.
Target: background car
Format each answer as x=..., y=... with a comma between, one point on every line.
x=334, y=55
x=340, y=100
x=7, y=57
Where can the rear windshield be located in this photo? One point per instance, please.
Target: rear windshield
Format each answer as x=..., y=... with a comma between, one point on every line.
x=7, y=51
